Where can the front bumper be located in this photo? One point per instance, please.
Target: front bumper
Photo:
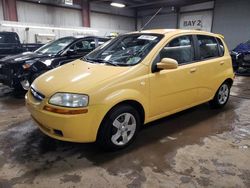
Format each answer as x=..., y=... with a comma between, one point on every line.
x=241, y=60
x=73, y=128
x=13, y=79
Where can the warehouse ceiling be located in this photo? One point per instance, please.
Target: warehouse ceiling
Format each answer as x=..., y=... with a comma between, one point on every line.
x=150, y=3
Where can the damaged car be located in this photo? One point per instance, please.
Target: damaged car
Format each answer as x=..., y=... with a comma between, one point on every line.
x=19, y=71
x=241, y=58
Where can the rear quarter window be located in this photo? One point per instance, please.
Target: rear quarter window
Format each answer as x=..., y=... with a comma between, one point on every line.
x=221, y=47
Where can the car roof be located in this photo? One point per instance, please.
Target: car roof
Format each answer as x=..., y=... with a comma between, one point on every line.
x=81, y=37
x=176, y=31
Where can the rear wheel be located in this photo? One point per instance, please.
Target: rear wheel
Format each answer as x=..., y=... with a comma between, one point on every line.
x=119, y=128
x=221, y=97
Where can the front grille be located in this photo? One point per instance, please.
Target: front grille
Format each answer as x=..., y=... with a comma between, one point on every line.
x=37, y=95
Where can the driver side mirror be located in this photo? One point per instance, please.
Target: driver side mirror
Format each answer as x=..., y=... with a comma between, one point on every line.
x=71, y=52
x=167, y=63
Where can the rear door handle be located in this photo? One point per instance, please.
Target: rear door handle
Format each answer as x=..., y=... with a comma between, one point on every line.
x=193, y=70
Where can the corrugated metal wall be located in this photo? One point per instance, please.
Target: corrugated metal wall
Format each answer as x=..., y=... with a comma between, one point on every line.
x=44, y=14
x=231, y=18
x=166, y=21
x=112, y=23
x=103, y=20
x=110, y=19
x=167, y=18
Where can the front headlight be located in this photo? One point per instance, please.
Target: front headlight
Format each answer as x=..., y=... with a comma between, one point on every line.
x=69, y=100
x=47, y=62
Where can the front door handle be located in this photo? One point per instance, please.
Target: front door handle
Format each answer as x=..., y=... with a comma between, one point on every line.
x=193, y=70
x=222, y=63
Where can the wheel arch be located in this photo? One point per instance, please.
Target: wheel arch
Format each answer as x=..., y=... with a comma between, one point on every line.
x=135, y=104
x=229, y=81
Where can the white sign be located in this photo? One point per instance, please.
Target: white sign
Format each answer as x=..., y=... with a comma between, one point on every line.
x=147, y=37
x=68, y=2
x=196, y=20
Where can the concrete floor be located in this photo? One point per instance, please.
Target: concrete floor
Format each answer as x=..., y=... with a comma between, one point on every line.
x=199, y=147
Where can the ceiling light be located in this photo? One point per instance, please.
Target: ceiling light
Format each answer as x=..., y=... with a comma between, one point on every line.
x=119, y=5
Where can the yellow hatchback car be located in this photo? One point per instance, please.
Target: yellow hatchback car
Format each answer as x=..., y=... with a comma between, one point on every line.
x=131, y=80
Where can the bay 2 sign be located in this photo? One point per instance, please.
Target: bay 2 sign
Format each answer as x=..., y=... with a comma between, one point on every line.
x=196, y=20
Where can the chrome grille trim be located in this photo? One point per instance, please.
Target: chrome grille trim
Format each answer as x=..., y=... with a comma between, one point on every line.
x=37, y=95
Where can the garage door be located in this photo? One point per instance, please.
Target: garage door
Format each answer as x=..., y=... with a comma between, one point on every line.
x=201, y=20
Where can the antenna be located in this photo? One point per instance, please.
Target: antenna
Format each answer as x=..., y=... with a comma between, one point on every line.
x=151, y=19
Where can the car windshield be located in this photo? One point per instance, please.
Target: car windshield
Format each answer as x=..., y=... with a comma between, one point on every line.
x=9, y=38
x=55, y=46
x=125, y=50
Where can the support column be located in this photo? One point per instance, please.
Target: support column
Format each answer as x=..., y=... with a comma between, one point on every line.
x=85, y=13
x=9, y=10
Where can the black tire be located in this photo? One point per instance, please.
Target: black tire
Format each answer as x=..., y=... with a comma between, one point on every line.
x=107, y=131
x=220, y=99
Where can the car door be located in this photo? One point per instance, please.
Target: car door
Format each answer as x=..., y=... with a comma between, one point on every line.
x=175, y=89
x=211, y=66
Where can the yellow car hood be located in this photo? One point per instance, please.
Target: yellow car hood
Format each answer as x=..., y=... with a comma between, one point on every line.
x=75, y=77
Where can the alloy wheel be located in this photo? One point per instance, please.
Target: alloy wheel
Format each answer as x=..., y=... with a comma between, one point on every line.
x=125, y=125
x=223, y=94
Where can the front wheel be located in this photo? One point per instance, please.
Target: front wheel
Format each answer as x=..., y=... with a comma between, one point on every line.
x=221, y=97
x=119, y=128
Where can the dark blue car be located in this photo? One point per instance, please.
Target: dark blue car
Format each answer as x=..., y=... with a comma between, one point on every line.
x=241, y=57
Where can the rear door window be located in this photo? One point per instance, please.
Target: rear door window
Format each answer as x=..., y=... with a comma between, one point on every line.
x=208, y=47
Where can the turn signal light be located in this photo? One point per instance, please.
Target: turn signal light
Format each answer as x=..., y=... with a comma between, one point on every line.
x=65, y=111
x=26, y=66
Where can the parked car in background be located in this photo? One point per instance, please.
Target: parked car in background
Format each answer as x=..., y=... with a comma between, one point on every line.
x=10, y=44
x=19, y=71
x=136, y=78
x=241, y=57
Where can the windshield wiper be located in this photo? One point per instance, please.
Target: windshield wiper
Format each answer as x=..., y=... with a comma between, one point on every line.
x=88, y=60
x=105, y=61
x=99, y=61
